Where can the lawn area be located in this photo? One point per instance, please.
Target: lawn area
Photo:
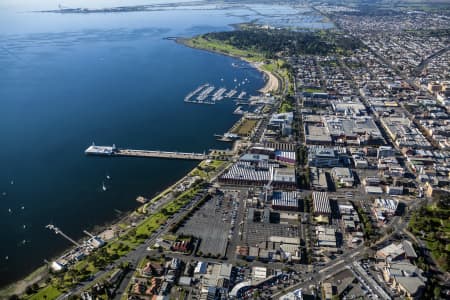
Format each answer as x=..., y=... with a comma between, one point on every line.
x=214, y=163
x=311, y=90
x=205, y=167
x=49, y=292
x=286, y=106
x=245, y=127
x=274, y=66
x=222, y=47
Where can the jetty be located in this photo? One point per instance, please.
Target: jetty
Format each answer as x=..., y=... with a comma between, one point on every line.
x=231, y=93
x=203, y=95
x=242, y=95
x=113, y=151
x=197, y=90
x=218, y=95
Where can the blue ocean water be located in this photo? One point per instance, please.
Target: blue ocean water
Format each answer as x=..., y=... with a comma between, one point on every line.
x=67, y=80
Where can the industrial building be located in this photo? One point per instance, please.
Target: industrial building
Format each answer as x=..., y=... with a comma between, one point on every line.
x=321, y=204
x=288, y=201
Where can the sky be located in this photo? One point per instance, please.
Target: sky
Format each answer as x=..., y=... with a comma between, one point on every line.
x=25, y=5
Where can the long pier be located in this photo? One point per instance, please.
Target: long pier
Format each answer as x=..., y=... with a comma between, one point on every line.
x=160, y=154
x=113, y=151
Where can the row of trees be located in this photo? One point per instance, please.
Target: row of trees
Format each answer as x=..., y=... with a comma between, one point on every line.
x=431, y=223
x=272, y=42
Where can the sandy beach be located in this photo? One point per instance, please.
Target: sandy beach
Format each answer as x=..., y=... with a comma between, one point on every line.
x=272, y=82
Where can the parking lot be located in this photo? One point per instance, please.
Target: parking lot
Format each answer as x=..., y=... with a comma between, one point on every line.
x=215, y=223
x=211, y=224
x=259, y=232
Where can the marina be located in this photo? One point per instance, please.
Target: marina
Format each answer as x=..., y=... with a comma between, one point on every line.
x=202, y=94
x=197, y=90
x=218, y=95
x=242, y=95
x=238, y=111
x=231, y=93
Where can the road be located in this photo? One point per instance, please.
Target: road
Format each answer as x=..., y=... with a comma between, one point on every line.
x=425, y=62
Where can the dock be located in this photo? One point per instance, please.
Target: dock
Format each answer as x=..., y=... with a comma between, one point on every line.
x=160, y=154
x=113, y=151
x=203, y=94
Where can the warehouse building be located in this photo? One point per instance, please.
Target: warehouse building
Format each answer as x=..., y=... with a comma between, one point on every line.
x=321, y=204
x=288, y=201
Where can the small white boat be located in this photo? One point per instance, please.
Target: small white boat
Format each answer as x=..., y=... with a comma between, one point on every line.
x=12, y=181
x=9, y=210
x=104, y=187
x=108, y=177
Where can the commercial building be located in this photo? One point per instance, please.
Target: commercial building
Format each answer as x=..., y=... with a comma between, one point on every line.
x=384, y=208
x=287, y=157
x=316, y=135
x=385, y=151
x=343, y=177
x=318, y=179
x=323, y=157
x=295, y=295
x=353, y=130
x=326, y=237
x=259, y=172
x=289, y=201
x=327, y=291
x=284, y=178
x=321, y=204
x=404, y=133
x=373, y=190
x=281, y=123
x=396, y=252
x=406, y=278
x=394, y=190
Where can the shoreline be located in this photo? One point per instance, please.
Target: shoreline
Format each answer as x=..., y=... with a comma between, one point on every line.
x=39, y=273
x=19, y=286
x=271, y=81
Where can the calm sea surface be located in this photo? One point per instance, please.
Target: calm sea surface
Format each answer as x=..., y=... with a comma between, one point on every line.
x=67, y=80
